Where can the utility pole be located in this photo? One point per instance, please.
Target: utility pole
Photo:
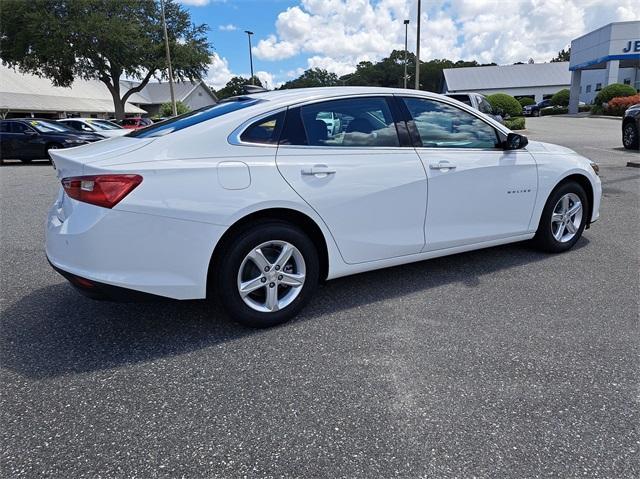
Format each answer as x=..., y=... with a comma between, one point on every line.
x=418, y=50
x=406, y=27
x=250, y=55
x=166, y=44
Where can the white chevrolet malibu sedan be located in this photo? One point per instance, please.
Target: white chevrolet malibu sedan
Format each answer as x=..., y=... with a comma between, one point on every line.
x=257, y=199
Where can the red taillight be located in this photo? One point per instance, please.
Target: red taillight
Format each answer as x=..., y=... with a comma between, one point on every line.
x=101, y=190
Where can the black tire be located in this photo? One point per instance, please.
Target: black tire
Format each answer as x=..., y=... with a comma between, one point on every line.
x=630, y=136
x=544, y=238
x=536, y=113
x=225, y=273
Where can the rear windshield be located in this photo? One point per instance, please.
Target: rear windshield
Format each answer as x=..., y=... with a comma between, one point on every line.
x=193, y=118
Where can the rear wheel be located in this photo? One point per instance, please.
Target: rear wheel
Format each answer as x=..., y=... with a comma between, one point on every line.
x=563, y=219
x=630, y=137
x=266, y=274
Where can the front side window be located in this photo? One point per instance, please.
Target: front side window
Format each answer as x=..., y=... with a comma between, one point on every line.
x=353, y=122
x=444, y=126
x=17, y=127
x=265, y=130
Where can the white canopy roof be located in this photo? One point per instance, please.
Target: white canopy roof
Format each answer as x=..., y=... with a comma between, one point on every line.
x=24, y=92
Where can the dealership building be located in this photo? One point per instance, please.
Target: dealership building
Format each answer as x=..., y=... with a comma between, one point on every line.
x=610, y=54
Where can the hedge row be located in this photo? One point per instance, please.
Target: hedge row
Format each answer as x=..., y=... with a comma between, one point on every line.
x=515, y=123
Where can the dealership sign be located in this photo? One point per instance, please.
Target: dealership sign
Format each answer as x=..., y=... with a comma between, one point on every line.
x=632, y=46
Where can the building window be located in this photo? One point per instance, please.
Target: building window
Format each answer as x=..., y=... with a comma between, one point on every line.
x=598, y=86
x=588, y=88
x=627, y=81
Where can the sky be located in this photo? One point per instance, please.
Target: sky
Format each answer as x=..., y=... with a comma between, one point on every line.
x=292, y=36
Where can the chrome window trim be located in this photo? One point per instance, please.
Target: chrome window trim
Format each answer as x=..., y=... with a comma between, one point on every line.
x=234, y=136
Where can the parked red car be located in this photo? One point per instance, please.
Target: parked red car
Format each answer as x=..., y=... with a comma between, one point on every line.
x=136, y=123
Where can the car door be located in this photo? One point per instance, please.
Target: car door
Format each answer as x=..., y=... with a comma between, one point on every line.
x=370, y=191
x=477, y=190
x=25, y=141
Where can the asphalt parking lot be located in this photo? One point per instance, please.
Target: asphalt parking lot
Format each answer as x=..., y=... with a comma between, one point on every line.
x=499, y=363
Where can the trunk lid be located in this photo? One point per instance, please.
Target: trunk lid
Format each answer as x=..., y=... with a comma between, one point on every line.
x=71, y=161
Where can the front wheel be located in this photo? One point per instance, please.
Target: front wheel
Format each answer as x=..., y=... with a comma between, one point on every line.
x=266, y=274
x=630, y=137
x=563, y=219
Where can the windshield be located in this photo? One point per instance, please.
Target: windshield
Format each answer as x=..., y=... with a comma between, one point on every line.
x=49, y=127
x=103, y=125
x=193, y=118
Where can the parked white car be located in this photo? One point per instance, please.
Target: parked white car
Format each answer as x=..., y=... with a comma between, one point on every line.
x=254, y=201
x=105, y=128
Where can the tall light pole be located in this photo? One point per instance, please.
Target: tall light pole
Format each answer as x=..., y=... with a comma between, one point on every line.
x=406, y=27
x=250, y=55
x=166, y=44
x=418, y=50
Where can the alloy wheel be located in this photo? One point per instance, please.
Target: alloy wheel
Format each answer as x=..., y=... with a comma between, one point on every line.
x=271, y=276
x=629, y=136
x=566, y=218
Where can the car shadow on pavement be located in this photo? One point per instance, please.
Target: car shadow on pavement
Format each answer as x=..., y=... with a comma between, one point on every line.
x=55, y=331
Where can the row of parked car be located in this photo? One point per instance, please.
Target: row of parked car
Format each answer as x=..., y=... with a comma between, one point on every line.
x=28, y=139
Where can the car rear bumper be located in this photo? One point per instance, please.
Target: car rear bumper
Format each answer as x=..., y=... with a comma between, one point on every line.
x=100, y=249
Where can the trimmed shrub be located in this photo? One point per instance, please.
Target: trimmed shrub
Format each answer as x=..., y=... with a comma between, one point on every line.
x=561, y=98
x=617, y=106
x=524, y=101
x=554, y=110
x=612, y=91
x=166, y=109
x=515, y=123
x=506, y=104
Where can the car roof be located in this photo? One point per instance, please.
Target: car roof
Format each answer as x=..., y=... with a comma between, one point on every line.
x=295, y=95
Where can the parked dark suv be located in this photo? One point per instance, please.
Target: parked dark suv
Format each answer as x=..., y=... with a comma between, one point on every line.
x=29, y=139
x=631, y=127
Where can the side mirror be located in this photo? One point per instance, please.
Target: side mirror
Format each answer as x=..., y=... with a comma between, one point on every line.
x=515, y=141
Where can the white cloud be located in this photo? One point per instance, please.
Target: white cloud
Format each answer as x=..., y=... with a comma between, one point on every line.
x=195, y=3
x=271, y=49
x=230, y=27
x=218, y=73
x=337, y=34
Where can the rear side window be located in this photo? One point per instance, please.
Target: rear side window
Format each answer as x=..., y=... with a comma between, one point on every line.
x=352, y=122
x=265, y=130
x=463, y=98
x=4, y=127
x=193, y=118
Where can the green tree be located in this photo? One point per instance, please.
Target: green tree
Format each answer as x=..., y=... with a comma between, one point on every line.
x=101, y=40
x=314, y=77
x=563, y=56
x=235, y=87
x=166, y=109
x=561, y=98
